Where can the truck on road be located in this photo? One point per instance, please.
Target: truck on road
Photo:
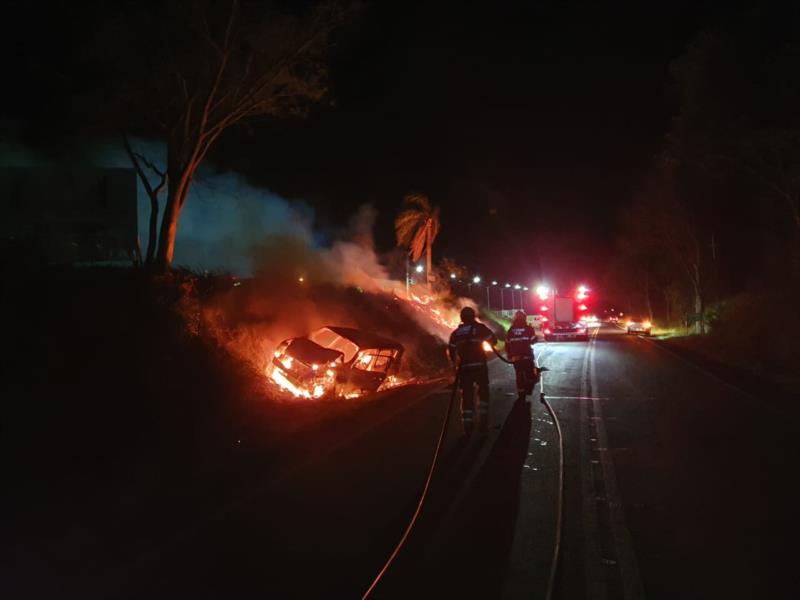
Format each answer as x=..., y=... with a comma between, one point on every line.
x=564, y=323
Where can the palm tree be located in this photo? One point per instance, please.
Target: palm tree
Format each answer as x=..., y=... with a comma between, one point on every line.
x=416, y=227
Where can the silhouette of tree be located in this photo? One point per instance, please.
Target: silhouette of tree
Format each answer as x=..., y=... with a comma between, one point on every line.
x=416, y=228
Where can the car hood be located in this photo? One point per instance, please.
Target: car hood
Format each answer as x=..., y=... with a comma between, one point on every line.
x=309, y=352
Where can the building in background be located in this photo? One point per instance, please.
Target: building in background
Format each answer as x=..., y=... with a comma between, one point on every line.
x=69, y=215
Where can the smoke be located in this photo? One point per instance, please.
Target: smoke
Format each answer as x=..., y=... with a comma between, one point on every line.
x=293, y=284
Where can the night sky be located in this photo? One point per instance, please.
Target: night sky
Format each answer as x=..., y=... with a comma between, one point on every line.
x=529, y=123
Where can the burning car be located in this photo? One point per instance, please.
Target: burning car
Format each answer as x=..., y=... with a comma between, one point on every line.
x=335, y=361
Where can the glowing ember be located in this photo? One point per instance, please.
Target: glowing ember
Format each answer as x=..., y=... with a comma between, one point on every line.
x=298, y=392
x=434, y=311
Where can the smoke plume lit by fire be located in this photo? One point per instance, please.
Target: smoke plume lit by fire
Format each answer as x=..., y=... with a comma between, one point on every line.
x=298, y=288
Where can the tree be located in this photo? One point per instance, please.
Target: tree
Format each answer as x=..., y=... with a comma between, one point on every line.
x=662, y=239
x=153, y=191
x=416, y=228
x=188, y=70
x=738, y=89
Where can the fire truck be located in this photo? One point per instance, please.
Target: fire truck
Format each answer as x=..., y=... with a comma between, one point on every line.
x=563, y=315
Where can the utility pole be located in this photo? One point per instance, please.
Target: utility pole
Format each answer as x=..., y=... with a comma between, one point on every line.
x=408, y=281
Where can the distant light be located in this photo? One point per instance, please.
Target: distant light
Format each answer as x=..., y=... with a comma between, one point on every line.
x=476, y=279
x=525, y=288
x=420, y=269
x=517, y=286
x=543, y=291
x=508, y=285
x=452, y=275
x=543, y=308
x=582, y=289
x=494, y=282
x=301, y=279
x=582, y=307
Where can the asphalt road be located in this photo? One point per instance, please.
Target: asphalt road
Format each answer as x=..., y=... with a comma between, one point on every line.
x=676, y=485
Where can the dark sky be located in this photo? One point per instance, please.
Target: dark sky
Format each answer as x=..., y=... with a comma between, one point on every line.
x=528, y=123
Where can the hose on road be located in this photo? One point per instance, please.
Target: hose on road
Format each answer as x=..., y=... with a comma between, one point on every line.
x=435, y=461
x=424, y=494
x=560, y=510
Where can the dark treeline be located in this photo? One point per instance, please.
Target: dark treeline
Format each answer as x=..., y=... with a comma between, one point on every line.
x=718, y=215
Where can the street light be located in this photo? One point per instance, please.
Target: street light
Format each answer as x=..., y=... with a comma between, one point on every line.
x=452, y=275
x=476, y=279
x=542, y=291
x=419, y=269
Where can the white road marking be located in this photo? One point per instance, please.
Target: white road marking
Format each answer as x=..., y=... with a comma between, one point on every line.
x=594, y=574
x=626, y=557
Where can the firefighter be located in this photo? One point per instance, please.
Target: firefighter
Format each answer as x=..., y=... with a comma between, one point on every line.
x=519, y=349
x=466, y=349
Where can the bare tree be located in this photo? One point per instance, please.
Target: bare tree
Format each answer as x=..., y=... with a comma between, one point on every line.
x=153, y=190
x=192, y=69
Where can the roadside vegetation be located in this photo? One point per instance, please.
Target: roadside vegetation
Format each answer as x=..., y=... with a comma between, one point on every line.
x=710, y=245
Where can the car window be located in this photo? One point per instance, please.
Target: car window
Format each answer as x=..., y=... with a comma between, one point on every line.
x=331, y=339
x=376, y=361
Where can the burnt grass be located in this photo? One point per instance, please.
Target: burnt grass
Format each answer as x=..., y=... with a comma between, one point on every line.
x=113, y=405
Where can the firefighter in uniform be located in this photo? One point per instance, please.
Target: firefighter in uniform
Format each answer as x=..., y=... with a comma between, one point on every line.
x=466, y=349
x=519, y=349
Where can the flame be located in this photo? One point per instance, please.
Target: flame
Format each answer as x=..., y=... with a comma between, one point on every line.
x=298, y=392
x=487, y=347
x=433, y=310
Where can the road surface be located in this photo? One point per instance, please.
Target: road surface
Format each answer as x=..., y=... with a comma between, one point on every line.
x=676, y=485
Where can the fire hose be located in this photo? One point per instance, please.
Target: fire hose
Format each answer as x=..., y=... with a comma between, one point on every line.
x=424, y=494
x=560, y=514
x=431, y=470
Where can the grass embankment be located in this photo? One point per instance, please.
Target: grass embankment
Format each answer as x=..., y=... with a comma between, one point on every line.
x=753, y=338
x=109, y=364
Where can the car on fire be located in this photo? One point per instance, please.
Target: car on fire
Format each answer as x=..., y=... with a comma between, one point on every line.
x=636, y=325
x=335, y=362
x=566, y=330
